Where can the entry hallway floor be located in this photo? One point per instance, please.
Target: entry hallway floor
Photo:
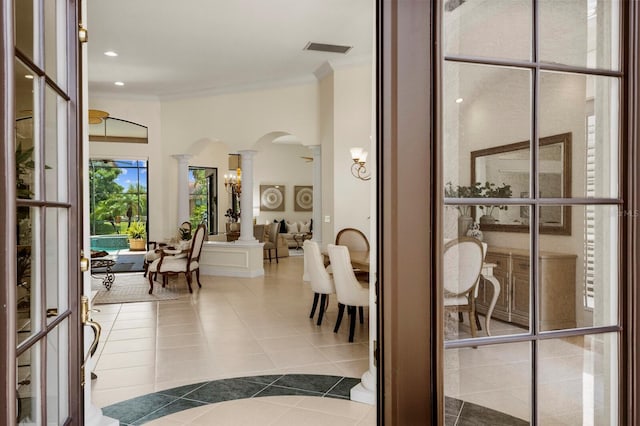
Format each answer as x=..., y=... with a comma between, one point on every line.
x=231, y=327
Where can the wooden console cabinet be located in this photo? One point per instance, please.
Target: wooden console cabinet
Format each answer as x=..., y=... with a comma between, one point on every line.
x=557, y=295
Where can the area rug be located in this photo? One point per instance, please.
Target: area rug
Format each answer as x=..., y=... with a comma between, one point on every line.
x=129, y=288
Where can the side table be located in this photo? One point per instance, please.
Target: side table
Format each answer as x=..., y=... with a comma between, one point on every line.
x=106, y=264
x=300, y=237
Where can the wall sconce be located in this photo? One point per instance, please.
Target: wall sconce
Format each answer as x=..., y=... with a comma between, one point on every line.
x=358, y=168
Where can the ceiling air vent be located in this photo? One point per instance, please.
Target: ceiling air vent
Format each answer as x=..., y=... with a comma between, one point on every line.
x=332, y=48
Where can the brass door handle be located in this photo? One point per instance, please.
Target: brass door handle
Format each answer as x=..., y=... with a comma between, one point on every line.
x=97, y=330
x=52, y=312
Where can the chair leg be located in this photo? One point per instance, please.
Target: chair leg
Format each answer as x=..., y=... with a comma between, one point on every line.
x=352, y=323
x=339, y=320
x=150, y=283
x=361, y=310
x=460, y=319
x=165, y=280
x=198, y=277
x=478, y=325
x=145, y=266
x=315, y=304
x=188, y=276
x=269, y=255
x=323, y=302
x=472, y=318
x=276, y=254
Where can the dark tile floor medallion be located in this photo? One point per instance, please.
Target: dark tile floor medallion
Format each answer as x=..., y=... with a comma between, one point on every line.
x=462, y=413
x=143, y=409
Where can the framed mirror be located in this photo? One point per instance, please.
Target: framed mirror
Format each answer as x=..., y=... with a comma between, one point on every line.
x=510, y=165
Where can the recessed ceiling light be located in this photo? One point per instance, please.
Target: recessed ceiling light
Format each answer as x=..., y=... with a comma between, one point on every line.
x=459, y=100
x=28, y=76
x=110, y=53
x=119, y=83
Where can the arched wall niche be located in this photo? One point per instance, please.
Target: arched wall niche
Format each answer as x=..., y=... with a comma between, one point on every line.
x=281, y=159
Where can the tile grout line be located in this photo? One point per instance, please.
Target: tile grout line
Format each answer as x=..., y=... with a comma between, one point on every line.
x=332, y=387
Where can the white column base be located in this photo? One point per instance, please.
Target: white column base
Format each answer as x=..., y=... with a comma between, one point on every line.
x=365, y=391
x=94, y=417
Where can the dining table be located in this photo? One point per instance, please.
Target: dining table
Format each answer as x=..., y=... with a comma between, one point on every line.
x=359, y=259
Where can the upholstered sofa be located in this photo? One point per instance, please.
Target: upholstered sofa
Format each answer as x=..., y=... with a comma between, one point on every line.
x=288, y=230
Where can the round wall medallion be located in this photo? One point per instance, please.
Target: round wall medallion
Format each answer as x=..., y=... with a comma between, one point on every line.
x=271, y=198
x=304, y=198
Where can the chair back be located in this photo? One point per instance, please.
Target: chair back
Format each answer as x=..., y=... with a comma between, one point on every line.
x=353, y=238
x=273, y=233
x=321, y=282
x=348, y=289
x=184, y=231
x=196, y=242
x=258, y=232
x=463, y=259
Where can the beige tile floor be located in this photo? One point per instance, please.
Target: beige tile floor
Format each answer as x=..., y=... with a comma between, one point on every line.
x=231, y=327
x=575, y=376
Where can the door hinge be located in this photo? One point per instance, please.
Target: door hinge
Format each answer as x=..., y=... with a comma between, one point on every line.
x=83, y=33
x=375, y=353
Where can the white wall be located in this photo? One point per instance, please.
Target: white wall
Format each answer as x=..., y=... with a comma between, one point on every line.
x=281, y=164
x=146, y=113
x=352, y=127
x=211, y=127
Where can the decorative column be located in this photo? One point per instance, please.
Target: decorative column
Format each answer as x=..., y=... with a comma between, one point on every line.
x=183, y=187
x=246, y=198
x=317, y=193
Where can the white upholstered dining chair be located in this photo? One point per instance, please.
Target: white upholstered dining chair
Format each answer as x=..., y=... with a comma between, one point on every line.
x=463, y=259
x=321, y=282
x=349, y=291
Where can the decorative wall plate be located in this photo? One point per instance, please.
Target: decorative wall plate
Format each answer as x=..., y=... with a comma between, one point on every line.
x=303, y=198
x=272, y=198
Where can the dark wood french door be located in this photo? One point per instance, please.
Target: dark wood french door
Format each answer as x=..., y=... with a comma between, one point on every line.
x=40, y=332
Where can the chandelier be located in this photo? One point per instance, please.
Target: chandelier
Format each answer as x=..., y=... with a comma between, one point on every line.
x=233, y=182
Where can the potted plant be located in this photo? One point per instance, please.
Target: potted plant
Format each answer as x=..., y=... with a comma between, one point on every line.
x=137, y=232
x=491, y=190
x=472, y=191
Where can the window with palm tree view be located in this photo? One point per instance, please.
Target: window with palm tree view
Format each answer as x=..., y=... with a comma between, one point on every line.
x=118, y=211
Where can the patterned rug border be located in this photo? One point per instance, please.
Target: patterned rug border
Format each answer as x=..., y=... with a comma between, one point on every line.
x=134, y=288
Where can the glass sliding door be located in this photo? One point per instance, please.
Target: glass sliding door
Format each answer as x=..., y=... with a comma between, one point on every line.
x=118, y=200
x=203, y=197
x=531, y=112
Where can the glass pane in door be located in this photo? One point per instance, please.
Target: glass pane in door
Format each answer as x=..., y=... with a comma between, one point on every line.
x=55, y=141
x=486, y=109
x=24, y=26
x=57, y=374
x=25, y=85
x=584, y=109
x=29, y=296
x=579, y=273
x=488, y=385
x=584, y=33
x=578, y=380
x=54, y=41
x=488, y=28
x=28, y=386
x=56, y=260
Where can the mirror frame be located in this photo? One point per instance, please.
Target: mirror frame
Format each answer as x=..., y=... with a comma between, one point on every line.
x=565, y=140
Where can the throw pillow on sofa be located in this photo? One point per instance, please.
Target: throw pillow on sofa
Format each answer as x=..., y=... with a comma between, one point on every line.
x=305, y=226
x=292, y=228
